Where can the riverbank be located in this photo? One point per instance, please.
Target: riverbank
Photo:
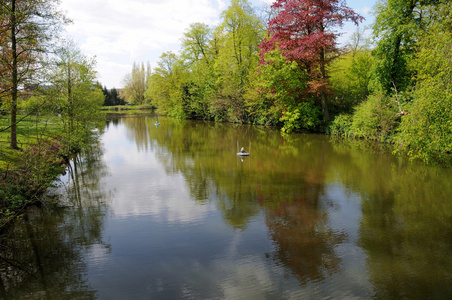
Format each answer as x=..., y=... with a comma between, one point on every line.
x=25, y=174
x=347, y=127
x=152, y=202
x=127, y=109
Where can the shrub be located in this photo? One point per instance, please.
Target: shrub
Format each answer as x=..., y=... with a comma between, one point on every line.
x=36, y=169
x=375, y=118
x=341, y=125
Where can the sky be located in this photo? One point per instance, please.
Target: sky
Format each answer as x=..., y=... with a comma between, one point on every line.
x=120, y=32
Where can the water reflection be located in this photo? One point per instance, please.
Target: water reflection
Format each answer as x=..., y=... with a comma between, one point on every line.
x=285, y=177
x=289, y=178
x=42, y=257
x=305, y=243
x=177, y=215
x=406, y=224
x=407, y=235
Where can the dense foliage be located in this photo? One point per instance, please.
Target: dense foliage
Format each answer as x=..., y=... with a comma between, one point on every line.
x=48, y=82
x=26, y=28
x=112, y=97
x=290, y=72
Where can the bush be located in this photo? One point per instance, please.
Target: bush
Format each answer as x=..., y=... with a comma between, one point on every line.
x=36, y=169
x=426, y=132
x=305, y=115
x=375, y=118
x=341, y=125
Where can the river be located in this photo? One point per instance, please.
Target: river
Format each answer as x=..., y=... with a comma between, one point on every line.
x=171, y=212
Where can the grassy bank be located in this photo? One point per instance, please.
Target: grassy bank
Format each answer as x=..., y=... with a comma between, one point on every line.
x=30, y=131
x=26, y=173
x=127, y=109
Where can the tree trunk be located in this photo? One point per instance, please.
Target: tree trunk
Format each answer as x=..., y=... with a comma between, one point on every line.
x=14, y=82
x=69, y=98
x=323, y=96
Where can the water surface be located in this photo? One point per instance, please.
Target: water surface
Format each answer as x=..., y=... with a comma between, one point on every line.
x=171, y=212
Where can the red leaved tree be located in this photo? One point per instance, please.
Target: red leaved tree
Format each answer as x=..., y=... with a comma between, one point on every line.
x=303, y=31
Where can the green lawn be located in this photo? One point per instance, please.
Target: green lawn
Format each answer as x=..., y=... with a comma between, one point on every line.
x=29, y=131
x=127, y=109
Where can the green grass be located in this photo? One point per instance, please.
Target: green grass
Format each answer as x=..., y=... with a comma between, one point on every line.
x=127, y=109
x=30, y=131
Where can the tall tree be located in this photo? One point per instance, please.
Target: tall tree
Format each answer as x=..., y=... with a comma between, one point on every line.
x=236, y=46
x=135, y=84
x=425, y=131
x=107, y=95
x=73, y=80
x=243, y=31
x=199, y=59
x=165, y=86
x=397, y=28
x=195, y=43
x=304, y=32
x=27, y=26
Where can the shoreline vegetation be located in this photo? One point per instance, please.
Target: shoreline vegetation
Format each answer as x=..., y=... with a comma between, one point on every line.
x=286, y=69
x=127, y=109
x=277, y=67
x=44, y=153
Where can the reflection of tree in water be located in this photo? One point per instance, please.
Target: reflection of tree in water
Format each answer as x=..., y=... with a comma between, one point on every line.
x=196, y=149
x=407, y=234
x=297, y=212
x=406, y=226
x=304, y=243
x=42, y=256
x=287, y=176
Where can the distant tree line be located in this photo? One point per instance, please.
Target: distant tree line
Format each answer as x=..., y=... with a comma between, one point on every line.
x=112, y=97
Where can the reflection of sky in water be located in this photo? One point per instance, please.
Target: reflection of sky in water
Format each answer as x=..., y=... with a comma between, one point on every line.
x=156, y=215
x=142, y=187
x=166, y=245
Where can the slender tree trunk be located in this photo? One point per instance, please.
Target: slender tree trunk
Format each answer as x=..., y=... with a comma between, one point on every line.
x=323, y=96
x=70, y=104
x=14, y=82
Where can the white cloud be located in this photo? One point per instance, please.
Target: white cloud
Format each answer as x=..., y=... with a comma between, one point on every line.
x=120, y=32
x=365, y=11
x=268, y=1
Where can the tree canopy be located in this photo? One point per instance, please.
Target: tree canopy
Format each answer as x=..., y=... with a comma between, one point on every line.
x=304, y=32
x=27, y=27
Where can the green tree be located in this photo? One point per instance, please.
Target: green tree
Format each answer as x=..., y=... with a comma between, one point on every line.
x=74, y=88
x=350, y=75
x=243, y=31
x=280, y=95
x=27, y=26
x=165, y=86
x=238, y=37
x=195, y=44
x=397, y=28
x=108, y=99
x=115, y=97
x=135, y=84
x=199, y=59
x=426, y=131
